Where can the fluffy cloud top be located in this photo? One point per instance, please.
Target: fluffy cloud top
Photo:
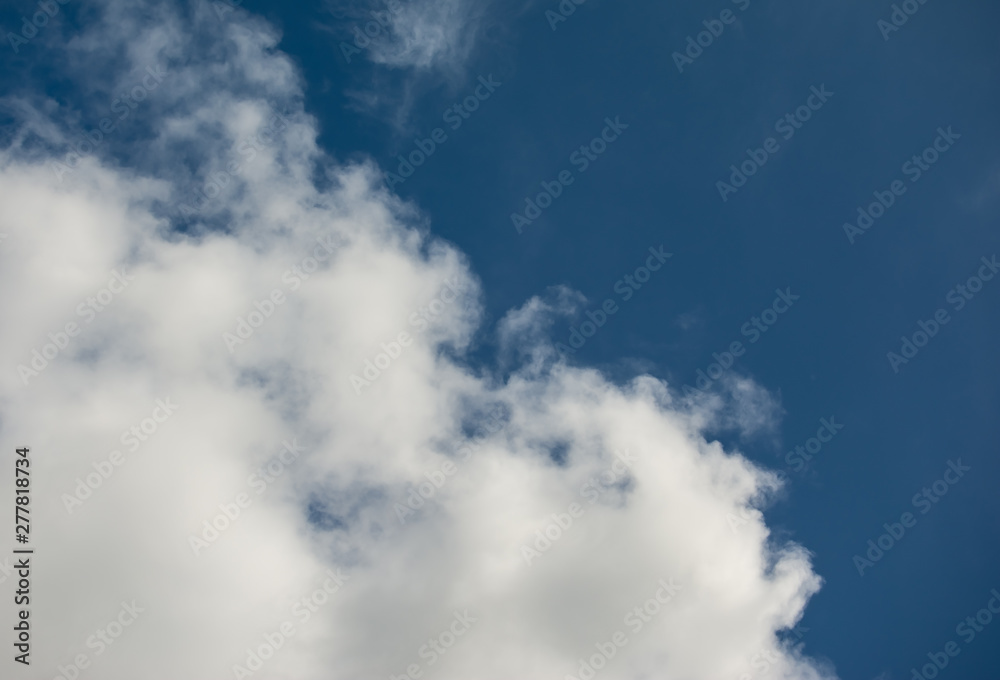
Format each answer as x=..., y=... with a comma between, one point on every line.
x=262, y=430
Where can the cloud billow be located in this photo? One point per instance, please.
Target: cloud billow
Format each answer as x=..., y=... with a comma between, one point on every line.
x=330, y=515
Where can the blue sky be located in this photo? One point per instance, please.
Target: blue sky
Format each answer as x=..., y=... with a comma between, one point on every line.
x=868, y=100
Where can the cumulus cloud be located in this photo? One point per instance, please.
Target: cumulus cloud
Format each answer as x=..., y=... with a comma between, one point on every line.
x=242, y=372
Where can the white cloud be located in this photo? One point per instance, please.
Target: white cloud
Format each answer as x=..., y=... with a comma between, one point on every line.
x=424, y=35
x=162, y=337
x=432, y=33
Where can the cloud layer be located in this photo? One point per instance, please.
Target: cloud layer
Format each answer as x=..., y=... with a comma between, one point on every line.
x=262, y=427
